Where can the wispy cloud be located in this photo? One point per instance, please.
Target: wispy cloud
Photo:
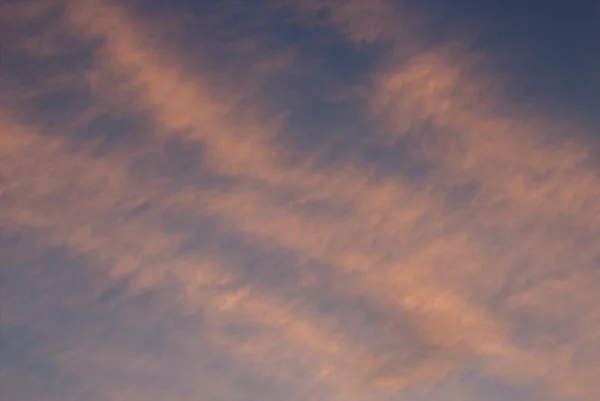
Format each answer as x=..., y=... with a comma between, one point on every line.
x=382, y=280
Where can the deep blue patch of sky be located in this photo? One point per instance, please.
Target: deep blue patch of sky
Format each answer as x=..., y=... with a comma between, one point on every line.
x=550, y=49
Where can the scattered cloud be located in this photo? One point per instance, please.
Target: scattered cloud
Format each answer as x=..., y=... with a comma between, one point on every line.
x=218, y=261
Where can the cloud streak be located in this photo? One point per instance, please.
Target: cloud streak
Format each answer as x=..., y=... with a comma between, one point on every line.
x=456, y=263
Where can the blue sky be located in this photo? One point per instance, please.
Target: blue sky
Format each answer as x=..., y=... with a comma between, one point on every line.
x=300, y=200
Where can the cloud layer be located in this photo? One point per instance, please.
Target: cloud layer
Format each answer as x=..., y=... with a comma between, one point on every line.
x=165, y=235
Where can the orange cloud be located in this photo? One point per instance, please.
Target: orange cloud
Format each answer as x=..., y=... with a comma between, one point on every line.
x=246, y=151
x=401, y=245
x=535, y=187
x=90, y=223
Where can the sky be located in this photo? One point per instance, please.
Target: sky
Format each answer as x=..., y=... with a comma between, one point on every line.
x=359, y=200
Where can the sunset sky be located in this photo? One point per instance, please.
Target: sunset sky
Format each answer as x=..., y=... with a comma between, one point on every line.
x=289, y=200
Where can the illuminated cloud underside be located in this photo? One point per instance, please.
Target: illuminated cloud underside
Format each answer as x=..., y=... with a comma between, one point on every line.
x=368, y=286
